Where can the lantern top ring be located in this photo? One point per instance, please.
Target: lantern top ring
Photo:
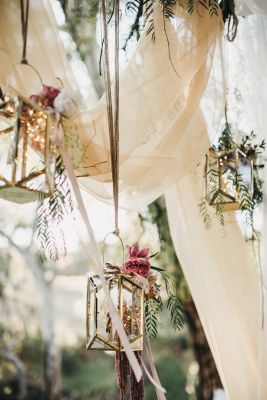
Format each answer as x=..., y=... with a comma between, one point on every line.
x=25, y=64
x=115, y=233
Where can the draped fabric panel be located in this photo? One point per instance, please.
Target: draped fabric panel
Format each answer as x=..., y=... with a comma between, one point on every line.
x=224, y=284
x=171, y=101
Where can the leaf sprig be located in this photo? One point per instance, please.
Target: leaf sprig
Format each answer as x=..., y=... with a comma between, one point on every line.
x=154, y=306
x=50, y=215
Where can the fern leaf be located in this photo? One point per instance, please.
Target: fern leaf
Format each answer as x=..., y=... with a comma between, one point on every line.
x=176, y=312
x=153, y=307
x=50, y=215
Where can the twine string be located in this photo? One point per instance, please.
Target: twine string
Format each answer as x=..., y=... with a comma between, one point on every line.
x=24, y=17
x=112, y=104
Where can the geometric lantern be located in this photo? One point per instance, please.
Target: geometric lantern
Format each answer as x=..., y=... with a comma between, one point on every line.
x=127, y=295
x=27, y=156
x=226, y=170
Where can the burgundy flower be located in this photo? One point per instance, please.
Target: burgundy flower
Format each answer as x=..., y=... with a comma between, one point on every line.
x=138, y=260
x=46, y=97
x=50, y=93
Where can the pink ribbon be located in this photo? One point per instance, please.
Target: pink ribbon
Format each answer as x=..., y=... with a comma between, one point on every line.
x=155, y=380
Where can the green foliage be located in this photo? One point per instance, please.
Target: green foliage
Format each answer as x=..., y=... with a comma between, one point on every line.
x=203, y=206
x=226, y=141
x=176, y=311
x=143, y=11
x=50, y=215
x=154, y=306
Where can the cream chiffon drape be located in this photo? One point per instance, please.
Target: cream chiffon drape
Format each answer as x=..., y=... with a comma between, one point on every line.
x=170, y=103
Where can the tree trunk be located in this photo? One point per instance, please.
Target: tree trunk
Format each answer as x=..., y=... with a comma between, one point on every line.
x=51, y=358
x=209, y=379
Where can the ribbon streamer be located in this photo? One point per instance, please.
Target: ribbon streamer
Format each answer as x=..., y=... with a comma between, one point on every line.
x=96, y=255
x=155, y=380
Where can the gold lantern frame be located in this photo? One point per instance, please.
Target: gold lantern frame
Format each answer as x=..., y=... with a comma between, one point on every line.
x=21, y=118
x=228, y=201
x=121, y=278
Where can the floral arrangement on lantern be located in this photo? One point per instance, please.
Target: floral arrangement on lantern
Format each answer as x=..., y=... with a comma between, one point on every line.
x=232, y=177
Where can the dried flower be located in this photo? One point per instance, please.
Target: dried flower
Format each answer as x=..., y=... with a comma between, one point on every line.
x=46, y=97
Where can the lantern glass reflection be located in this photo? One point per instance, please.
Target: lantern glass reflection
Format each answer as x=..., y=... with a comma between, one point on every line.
x=27, y=157
x=128, y=298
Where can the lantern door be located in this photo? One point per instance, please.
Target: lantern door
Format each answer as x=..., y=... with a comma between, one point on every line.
x=132, y=310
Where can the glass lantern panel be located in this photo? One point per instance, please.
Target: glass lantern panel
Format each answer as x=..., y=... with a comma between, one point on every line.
x=7, y=137
x=212, y=174
x=131, y=312
x=106, y=336
x=227, y=175
x=245, y=170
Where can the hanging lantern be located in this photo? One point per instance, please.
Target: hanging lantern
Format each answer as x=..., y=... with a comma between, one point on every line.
x=27, y=156
x=127, y=295
x=228, y=173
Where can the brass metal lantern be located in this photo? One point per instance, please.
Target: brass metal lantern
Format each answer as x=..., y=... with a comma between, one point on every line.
x=127, y=295
x=27, y=156
x=225, y=170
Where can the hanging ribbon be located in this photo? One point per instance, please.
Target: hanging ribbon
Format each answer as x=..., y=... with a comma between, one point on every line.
x=112, y=104
x=24, y=16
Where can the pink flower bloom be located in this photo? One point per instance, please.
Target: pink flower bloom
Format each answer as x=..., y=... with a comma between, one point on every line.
x=140, y=266
x=50, y=92
x=143, y=253
x=134, y=251
x=138, y=260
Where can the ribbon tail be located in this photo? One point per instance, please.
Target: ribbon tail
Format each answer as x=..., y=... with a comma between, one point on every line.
x=154, y=378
